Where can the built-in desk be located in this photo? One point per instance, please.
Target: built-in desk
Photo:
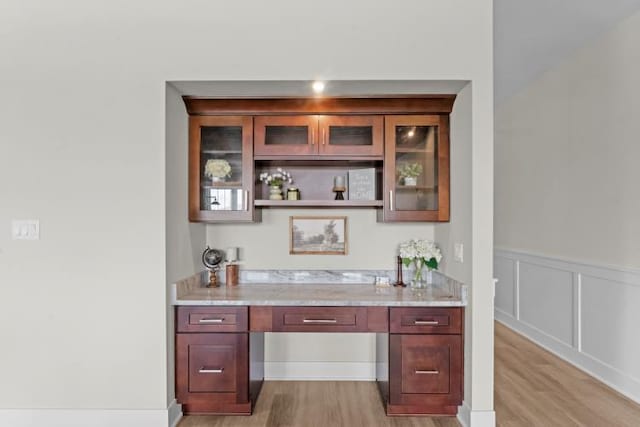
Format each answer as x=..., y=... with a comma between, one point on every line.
x=220, y=339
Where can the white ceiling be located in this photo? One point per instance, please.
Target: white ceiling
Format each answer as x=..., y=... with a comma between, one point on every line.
x=266, y=88
x=531, y=36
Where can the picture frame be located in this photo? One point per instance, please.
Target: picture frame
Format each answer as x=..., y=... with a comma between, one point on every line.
x=318, y=235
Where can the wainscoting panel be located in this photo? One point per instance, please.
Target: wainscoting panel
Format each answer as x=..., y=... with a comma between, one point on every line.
x=505, y=270
x=586, y=314
x=551, y=289
x=611, y=323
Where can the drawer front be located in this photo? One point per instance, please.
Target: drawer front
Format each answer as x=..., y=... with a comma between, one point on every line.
x=426, y=320
x=212, y=368
x=214, y=365
x=212, y=319
x=425, y=368
x=319, y=319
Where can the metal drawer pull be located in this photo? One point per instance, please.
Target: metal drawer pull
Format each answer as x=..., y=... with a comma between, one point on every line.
x=220, y=320
x=390, y=200
x=426, y=322
x=319, y=321
x=203, y=370
x=436, y=372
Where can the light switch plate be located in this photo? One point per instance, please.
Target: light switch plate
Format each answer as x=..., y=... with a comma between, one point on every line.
x=458, y=252
x=25, y=229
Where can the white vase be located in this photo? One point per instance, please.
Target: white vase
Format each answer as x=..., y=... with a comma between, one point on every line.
x=218, y=179
x=275, y=192
x=410, y=181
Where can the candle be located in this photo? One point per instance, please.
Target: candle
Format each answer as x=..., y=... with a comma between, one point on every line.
x=338, y=181
x=232, y=254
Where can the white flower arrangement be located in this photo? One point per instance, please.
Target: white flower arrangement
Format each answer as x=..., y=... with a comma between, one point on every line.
x=421, y=253
x=217, y=168
x=278, y=178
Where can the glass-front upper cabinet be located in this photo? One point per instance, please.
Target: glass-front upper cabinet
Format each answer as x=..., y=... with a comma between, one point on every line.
x=416, y=168
x=306, y=135
x=351, y=135
x=220, y=169
x=286, y=135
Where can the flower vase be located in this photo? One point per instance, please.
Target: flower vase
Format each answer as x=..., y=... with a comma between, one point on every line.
x=410, y=181
x=418, y=281
x=275, y=192
x=428, y=278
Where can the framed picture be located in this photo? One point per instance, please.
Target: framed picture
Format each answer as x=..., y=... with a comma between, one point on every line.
x=318, y=235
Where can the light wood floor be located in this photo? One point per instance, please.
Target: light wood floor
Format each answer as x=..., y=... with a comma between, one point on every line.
x=533, y=388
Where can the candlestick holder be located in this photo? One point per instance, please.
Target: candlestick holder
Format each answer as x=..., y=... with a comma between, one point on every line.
x=399, y=281
x=339, y=192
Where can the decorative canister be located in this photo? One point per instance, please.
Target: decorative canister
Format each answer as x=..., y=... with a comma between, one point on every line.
x=293, y=193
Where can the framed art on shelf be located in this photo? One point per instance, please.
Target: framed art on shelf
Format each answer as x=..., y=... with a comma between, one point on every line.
x=318, y=235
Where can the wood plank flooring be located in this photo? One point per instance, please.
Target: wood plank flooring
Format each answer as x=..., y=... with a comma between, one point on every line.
x=535, y=388
x=318, y=404
x=532, y=388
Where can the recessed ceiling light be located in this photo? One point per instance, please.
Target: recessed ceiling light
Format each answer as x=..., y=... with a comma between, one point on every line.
x=318, y=86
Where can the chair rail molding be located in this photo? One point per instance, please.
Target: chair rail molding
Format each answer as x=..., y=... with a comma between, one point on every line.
x=572, y=308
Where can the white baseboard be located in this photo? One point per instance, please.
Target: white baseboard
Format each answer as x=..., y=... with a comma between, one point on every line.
x=469, y=418
x=320, y=371
x=86, y=417
x=174, y=413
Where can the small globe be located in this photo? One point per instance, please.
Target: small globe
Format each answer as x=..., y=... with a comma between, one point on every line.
x=211, y=258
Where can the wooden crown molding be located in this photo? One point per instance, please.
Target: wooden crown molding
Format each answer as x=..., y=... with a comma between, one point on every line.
x=406, y=104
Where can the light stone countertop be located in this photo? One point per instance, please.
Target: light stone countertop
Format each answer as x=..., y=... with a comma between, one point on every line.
x=445, y=292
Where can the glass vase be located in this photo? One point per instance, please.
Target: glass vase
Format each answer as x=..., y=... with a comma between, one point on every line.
x=418, y=281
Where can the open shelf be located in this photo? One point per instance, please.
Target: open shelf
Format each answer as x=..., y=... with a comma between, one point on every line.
x=415, y=187
x=221, y=151
x=226, y=184
x=318, y=203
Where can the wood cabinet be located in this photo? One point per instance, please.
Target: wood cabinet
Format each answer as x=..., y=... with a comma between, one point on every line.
x=220, y=353
x=321, y=135
x=425, y=353
x=405, y=140
x=221, y=169
x=219, y=364
x=416, y=168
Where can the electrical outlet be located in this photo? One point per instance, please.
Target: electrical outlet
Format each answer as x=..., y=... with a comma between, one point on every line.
x=25, y=229
x=458, y=252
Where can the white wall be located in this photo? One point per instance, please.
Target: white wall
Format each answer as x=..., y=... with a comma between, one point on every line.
x=567, y=157
x=82, y=149
x=185, y=240
x=567, y=216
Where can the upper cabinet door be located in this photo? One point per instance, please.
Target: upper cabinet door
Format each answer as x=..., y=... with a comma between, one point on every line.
x=220, y=168
x=416, y=168
x=286, y=135
x=351, y=135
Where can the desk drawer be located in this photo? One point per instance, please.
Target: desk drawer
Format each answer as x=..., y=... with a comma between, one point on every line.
x=426, y=320
x=212, y=319
x=319, y=319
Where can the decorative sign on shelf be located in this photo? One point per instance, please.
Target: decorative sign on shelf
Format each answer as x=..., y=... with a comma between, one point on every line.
x=362, y=184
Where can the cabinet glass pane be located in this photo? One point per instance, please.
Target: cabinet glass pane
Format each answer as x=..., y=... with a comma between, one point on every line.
x=350, y=135
x=416, y=164
x=221, y=169
x=286, y=135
